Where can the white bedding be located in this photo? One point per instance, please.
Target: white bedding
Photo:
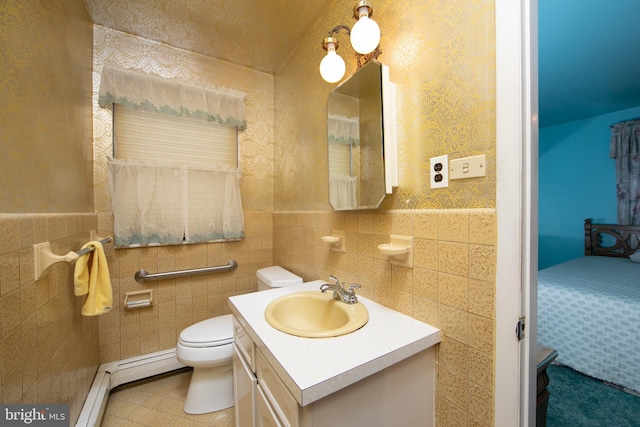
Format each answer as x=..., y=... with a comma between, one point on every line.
x=589, y=311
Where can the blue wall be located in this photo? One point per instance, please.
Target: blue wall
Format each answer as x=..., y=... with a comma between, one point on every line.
x=577, y=180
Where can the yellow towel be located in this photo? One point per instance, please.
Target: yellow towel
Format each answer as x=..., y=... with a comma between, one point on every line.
x=91, y=276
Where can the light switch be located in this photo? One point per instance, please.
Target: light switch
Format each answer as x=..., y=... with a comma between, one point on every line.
x=467, y=167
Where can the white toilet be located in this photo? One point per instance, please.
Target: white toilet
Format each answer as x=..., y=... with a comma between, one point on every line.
x=207, y=347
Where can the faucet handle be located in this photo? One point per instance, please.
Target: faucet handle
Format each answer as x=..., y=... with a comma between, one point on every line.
x=351, y=294
x=336, y=281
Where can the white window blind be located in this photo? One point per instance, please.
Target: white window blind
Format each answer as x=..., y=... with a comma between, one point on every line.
x=144, y=135
x=339, y=159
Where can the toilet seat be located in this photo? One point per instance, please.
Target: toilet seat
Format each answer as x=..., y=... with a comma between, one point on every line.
x=214, y=332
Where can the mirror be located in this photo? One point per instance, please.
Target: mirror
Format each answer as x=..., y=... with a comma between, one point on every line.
x=361, y=139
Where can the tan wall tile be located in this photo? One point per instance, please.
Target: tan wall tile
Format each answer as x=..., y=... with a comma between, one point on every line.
x=454, y=355
x=382, y=223
x=402, y=301
x=448, y=414
x=482, y=298
x=10, y=242
x=453, y=226
x=9, y=273
x=482, y=226
x=480, y=403
x=481, y=332
x=439, y=289
x=481, y=367
x=426, y=310
x=453, y=386
x=482, y=262
x=40, y=320
x=425, y=283
x=402, y=279
x=425, y=225
x=453, y=258
x=453, y=291
x=425, y=253
x=402, y=223
x=454, y=323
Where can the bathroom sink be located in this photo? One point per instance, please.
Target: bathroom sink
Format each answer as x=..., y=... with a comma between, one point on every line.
x=315, y=315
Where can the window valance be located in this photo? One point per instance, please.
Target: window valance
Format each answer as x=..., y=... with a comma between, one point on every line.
x=344, y=129
x=140, y=90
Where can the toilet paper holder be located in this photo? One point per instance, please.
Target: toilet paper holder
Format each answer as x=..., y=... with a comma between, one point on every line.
x=138, y=299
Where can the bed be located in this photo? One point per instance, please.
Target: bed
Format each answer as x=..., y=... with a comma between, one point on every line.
x=589, y=307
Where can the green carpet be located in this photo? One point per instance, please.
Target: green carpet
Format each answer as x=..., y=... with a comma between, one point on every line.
x=577, y=400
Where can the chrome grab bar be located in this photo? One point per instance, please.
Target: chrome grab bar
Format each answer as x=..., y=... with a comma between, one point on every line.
x=142, y=275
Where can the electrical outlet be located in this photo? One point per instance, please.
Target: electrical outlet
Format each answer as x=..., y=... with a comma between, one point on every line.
x=439, y=167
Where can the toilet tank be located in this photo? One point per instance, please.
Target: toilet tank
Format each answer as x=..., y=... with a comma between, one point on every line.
x=276, y=277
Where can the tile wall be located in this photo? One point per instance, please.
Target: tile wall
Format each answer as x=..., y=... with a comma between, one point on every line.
x=451, y=286
x=49, y=352
x=178, y=303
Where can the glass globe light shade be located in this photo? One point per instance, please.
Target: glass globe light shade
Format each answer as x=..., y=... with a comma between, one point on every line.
x=365, y=35
x=332, y=66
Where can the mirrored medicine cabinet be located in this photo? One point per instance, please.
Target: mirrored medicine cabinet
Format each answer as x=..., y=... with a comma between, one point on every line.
x=361, y=134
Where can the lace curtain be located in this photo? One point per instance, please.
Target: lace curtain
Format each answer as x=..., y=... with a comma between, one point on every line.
x=149, y=92
x=343, y=129
x=160, y=203
x=625, y=148
x=342, y=192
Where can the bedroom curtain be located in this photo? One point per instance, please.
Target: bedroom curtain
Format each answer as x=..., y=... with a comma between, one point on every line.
x=625, y=148
x=159, y=203
x=144, y=91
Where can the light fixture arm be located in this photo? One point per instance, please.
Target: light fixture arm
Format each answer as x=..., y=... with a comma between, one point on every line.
x=331, y=39
x=337, y=28
x=360, y=59
x=332, y=66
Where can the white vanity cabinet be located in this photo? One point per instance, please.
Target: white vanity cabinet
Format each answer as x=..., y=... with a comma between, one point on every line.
x=380, y=375
x=276, y=404
x=244, y=378
x=401, y=394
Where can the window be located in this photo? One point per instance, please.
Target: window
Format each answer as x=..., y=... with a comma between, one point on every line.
x=146, y=135
x=174, y=180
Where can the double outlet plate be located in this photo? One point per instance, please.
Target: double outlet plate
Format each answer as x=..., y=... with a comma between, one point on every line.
x=441, y=170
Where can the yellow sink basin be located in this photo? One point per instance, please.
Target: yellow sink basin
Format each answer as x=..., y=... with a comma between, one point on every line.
x=315, y=315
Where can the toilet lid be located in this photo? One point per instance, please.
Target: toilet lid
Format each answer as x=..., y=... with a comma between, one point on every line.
x=277, y=277
x=217, y=330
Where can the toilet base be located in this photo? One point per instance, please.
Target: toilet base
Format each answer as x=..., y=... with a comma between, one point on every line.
x=210, y=390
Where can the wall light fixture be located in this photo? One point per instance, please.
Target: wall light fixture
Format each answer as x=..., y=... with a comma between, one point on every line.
x=365, y=40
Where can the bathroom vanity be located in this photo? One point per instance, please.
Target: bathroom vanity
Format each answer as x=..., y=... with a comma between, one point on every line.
x=382, y=374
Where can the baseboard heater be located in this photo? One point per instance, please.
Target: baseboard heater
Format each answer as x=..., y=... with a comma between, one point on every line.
x=113, y=374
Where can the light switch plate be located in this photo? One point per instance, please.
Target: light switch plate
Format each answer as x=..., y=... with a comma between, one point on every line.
x=467, y=167
x=439, y=167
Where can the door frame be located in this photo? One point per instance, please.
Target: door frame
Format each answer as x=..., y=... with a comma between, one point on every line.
x=516, y=210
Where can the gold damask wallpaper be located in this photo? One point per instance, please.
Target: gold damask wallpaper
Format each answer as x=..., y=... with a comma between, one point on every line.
x=257, y=34
x=441, y=57
x=45, y=120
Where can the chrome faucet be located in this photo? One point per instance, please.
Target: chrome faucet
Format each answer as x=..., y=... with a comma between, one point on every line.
x=347, y=296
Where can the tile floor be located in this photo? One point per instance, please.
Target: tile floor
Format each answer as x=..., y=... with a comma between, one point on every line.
x=158, y=402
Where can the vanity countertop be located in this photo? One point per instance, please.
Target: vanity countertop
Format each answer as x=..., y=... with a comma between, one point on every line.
x=313, y=368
